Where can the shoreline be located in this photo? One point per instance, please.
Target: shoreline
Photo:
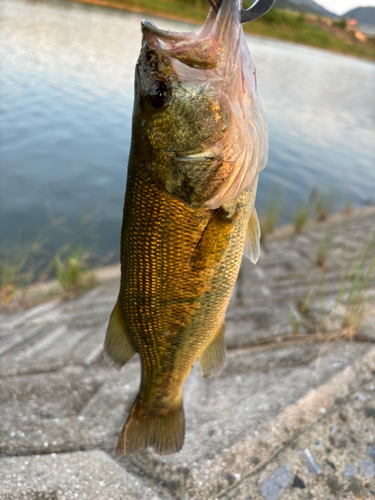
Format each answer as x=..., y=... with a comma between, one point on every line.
x=112, y=4
x=116, y=5
x=38, y=293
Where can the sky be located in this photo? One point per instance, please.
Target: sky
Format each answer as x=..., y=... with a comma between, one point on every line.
x=342, y=6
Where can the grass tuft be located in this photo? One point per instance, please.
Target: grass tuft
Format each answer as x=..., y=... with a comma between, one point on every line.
x=323, y=208
x=71, y=266
x=354, y=284
x=348, y=310
x=300, y=218
x=325, y=249
x=18, y=266
x=270, y=218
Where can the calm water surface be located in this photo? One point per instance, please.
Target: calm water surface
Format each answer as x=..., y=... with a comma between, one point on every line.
x=66, y=92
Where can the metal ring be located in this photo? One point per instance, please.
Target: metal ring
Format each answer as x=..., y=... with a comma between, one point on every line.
x=258, y=9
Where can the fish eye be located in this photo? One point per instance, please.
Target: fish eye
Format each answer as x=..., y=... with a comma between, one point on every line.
x=158, y=93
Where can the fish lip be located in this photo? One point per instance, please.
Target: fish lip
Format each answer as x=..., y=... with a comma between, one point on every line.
x=148, y=27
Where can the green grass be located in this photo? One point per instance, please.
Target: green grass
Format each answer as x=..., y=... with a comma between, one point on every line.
x=352, y=303
x=354, y=283
x=277, y=23
x=71, y=266
x=16, y=268
x=270, y=217
x=300, y=218
x=323, y=207
x=296, y=28
x=23, y=263
x=325, y=248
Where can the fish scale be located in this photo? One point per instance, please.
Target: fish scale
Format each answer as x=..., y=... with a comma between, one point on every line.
x=160, y=278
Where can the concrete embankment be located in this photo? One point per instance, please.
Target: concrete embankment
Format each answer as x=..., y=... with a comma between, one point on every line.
x=291, y=417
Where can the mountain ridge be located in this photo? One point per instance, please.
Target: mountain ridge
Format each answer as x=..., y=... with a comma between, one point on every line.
x=365, y=15
x=314, y=7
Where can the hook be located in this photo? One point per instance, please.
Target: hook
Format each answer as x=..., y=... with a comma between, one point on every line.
x=258, y=9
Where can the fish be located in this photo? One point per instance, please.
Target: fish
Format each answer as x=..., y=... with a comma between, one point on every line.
x=199, y=140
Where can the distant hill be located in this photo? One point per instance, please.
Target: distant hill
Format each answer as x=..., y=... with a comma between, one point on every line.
x=304, y=6
x=314, y=7
x=364, y=15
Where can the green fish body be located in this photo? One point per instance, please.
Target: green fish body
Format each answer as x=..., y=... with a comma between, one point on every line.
x=199, y=140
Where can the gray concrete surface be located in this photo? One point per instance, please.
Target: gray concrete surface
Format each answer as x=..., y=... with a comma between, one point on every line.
x=295, y=367
x=79, y=475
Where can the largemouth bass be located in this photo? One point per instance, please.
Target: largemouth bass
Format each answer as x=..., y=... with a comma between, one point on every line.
x=199, y=140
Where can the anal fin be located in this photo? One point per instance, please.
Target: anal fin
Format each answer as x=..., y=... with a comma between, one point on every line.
x=252, y=242
x=117, y=344
x=213, y=359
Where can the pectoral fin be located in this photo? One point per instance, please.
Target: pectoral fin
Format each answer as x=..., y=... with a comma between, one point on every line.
x=213, y=243
x=252, y=242
x=117, y=343
x=213, y=359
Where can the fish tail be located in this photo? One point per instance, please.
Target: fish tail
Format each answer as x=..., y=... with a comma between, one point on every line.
x=163, y=432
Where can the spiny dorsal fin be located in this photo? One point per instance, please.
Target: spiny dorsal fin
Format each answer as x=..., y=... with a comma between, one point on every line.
x=117, y=344
x=213, y=359
x=252, y=242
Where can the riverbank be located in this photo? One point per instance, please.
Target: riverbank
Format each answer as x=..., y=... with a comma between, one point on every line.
x=305, y=29
x=85, y=278
x=291, y=413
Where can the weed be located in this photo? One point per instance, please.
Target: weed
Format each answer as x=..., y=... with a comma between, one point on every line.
x=354, y=285
x=270, y=218
x=18, y=267
x=325, y=249
x=71, y=269
x=348, y=209
x=340, y=24
x=299, y=314
x=323, y=207
x=300, y=218
x=346, y=312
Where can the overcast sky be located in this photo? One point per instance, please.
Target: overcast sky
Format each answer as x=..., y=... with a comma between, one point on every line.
x=341, y=6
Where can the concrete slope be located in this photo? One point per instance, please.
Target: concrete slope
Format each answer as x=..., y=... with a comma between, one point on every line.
x=298, y=347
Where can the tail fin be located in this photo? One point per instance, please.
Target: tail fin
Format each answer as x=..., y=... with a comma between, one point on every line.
x=164, y=432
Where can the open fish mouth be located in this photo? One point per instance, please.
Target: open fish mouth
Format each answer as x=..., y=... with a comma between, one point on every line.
x=216, y=41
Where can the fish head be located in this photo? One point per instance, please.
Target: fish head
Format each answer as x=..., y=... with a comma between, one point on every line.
x=197, y=121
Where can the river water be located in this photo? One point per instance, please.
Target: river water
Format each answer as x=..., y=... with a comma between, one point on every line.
x=66, y=92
